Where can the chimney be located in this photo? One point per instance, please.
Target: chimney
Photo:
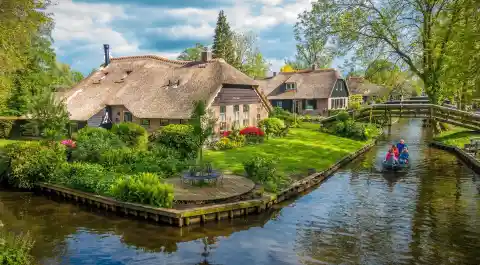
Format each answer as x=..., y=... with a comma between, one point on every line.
x=206, y=55
x=314, y=67
x=106, y=49
x=274, y=73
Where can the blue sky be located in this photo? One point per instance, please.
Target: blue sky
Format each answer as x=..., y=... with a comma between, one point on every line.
x=166, y=27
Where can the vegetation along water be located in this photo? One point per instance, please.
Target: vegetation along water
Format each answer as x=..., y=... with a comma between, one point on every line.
x=427, y=215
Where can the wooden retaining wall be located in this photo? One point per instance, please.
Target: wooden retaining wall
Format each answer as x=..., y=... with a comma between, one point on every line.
x=469, y=160
x=203, y=214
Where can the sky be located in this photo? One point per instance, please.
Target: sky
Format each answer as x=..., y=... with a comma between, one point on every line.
x=166, y=27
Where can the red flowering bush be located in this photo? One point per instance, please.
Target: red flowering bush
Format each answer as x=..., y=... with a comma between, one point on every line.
x=69, y=143
x=252, y=131
x=225, y=133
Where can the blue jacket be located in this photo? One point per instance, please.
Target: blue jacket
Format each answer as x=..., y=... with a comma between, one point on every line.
x=400, y=147
x=403, y=156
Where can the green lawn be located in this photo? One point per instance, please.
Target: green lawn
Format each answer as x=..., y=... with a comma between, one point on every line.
x=457, y=136
x=302, y=149
x=4, y=142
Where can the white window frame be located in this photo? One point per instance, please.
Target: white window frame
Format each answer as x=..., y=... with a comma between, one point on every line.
x=290, y=86
x=280, y=104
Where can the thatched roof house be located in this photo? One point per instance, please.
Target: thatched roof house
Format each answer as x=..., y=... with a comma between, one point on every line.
x=154, y=88
x=310, y=91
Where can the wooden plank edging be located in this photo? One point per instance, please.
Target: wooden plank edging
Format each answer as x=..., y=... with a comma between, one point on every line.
x=201, y=214
x=470, y=161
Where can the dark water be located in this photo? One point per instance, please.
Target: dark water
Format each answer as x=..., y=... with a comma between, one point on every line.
x=427, y=215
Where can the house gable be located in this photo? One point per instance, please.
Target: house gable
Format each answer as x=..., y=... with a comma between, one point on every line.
x=340, y=89
x=236, y=94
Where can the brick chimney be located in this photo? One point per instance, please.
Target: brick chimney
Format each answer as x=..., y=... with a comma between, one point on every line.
x=314, y=67
x=206, y=55
x=106, y=50
x=274, y=73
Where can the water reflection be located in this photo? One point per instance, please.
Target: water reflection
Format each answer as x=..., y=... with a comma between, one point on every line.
x=429, y=214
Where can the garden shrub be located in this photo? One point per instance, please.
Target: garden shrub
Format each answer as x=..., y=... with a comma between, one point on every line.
x=92, y=142
x=5, y=128
x=132, y=134
x=144, y=188
x=252, y=131
x=224, y=143
x=272, y=126
x=283, y=115
x=31, y=162
x=236, y=138
x=81, y=176
x=15, y=249
x=177, y=136
x=354, y=130
x=127, y=160
x=342, y=116
x=263, y=170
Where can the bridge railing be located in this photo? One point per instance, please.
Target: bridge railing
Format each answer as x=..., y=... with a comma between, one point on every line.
x=421, y=110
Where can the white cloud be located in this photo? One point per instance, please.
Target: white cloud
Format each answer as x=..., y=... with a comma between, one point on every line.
x=82, y=28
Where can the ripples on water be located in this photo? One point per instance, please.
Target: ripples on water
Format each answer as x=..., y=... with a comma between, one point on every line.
x=427, y=215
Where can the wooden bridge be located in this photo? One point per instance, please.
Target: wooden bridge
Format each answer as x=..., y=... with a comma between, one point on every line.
x=387, y=111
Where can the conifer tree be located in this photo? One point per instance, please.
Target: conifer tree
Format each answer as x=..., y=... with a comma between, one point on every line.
x=223, y=41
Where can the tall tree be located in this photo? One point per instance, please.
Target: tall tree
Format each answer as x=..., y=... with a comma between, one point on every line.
x=248, y=57
x=20, y=22
x=192, y=53
x=311, y=42
x=417, y=33
x=223, y=41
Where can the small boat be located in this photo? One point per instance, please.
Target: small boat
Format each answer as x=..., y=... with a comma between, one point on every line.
x=390, y=165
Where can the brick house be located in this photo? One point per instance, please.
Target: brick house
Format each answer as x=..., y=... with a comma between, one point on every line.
x=312, y=91
x=154, y=91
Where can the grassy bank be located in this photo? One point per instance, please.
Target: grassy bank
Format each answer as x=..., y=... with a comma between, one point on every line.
x=4, y=142
x=457, y=136
x=302, y=149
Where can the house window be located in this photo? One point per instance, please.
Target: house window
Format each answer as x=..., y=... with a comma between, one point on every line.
x=223, y=126
x=127, y=116
x=146, y=122
x=338, y=103
x=223, y=109
x=246, y=115
x=310, y=104
x=236, y=111
x=290, y=86
x=279, y=103
x=163, y=122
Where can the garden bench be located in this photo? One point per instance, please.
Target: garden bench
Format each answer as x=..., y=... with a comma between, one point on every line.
x=209, y=176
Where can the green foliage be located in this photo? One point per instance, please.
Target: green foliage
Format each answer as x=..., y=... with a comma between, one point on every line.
x=272, y=126
x=132, y=134
x=127, y=160
x=81, y=176
x=92, y=142
x=31, y=162
x=263, y=170
x=250, y=60
x=223, y=46
x=203, y=126
x=284, y=115
x=343, y=116
x=311, y=44
x=15, y=249
x=49, y=118
x=226, y=143
x=193, y=53
x=144, y=188
x=346, y=127
x=5, y=128
x=177, y=136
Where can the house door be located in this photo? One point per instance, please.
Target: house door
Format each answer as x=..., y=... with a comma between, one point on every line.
x=296, y=106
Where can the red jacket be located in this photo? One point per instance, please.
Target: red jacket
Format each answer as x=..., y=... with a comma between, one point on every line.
x=389, y=155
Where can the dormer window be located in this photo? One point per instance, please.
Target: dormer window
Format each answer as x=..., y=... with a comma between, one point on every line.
x=173, y=84
x=290, y=86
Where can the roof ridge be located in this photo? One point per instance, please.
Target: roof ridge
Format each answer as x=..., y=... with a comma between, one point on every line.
x=160, y=58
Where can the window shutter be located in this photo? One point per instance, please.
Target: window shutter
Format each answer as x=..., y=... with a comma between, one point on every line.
x=314, y=103
x=304, y=104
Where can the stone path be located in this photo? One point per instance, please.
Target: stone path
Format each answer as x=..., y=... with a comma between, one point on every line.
x=231, y=186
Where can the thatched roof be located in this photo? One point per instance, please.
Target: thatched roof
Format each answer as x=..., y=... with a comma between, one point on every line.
x=359, y=86
x=151, y=86
x=310, y=84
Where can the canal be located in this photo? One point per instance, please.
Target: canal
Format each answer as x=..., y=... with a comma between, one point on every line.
x=429, y=214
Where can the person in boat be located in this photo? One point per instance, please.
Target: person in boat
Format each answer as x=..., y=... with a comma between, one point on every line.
x=404, y=156
x=401, y=145
x=395, y=151
x=391, y=156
